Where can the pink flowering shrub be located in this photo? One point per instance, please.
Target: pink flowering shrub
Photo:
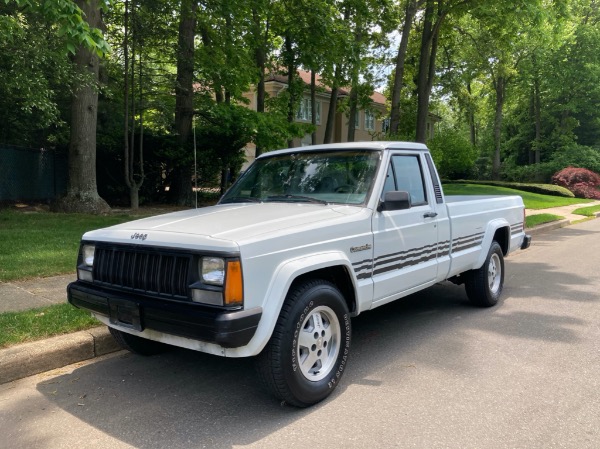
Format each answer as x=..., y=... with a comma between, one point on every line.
x=582, y=182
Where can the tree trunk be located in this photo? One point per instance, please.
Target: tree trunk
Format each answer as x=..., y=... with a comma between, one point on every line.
x=82, y=192
x=329, y=127
x=429, y=45
x=537, y=109
x=291, y=69
x=260, y=62
x=471, y=118
x=499, y=86
x=353, y=111
x=411, y=9
x=184, y=99
x=424, y=61
x=331, y=113
x=129, y=104
x=313, y=105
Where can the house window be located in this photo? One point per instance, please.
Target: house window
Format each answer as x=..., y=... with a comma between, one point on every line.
x=369, y=121
x=304, y=112
x=357, y=120
x=385, y=125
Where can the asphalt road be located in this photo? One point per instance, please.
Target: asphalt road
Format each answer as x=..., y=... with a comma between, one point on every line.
x=426, y=372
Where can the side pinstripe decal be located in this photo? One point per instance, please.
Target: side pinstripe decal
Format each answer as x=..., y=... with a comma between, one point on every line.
x=367, y=268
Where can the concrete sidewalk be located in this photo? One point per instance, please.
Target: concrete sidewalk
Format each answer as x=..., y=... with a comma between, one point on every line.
x=31, y=358
x=33, y=293
x=28, y=359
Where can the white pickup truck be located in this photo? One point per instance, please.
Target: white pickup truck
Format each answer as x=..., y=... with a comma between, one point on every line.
x=304, y=240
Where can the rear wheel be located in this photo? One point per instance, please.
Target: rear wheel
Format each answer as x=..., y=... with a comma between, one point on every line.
x=308, y=351
x=137, y=345
x=485, y=284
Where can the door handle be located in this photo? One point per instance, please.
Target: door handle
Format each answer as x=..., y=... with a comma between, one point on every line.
x=430, y=215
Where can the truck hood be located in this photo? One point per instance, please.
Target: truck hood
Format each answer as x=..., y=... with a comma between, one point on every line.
x=224, y=223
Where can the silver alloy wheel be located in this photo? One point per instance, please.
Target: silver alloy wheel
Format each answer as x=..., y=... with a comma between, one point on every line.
x=494, y=273
x=318, y=343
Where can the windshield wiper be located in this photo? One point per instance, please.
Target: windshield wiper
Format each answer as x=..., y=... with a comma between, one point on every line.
x=298, y=198
x=241, y=199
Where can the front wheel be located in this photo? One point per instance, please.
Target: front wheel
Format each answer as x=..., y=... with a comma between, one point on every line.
x=485, y=284
x=308, y=351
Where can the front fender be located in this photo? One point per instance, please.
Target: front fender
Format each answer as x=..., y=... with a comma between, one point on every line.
x=279, y=285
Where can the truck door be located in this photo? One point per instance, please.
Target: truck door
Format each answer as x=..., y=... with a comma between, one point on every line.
x=405, y=241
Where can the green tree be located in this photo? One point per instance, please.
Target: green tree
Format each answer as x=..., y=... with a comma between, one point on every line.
x=82, y=192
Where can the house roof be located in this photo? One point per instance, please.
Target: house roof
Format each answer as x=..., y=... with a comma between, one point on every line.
x=377, y=97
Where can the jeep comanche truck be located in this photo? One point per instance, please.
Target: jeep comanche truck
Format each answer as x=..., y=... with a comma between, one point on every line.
x=304, y=240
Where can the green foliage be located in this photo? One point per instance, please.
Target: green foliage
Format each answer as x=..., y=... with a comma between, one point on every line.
x=453, y=154
x=68, y=22
x=547, y=53
x=222, y=133
x=571, y=155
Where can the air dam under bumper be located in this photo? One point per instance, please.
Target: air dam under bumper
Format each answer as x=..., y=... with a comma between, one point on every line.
x=227, y=329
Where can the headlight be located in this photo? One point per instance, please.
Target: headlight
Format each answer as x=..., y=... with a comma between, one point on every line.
x=88, y=255
x=221, y=282
x=212, y=270
x=84, y=270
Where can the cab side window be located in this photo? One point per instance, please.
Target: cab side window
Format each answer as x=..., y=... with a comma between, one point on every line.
x=409, y=178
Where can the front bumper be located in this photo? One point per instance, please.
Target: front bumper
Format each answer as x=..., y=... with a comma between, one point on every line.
x=229, y=329
x=526, y=242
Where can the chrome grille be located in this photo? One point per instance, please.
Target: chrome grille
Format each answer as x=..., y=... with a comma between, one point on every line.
x=159, y=273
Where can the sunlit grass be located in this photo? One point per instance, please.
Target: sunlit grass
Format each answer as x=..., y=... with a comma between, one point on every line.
x=587, y=211
x=39, y=244
x=531, y=200
x=535, y=220
x=36, y=324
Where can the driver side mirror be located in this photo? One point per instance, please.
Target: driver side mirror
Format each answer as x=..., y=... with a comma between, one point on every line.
x=394, y=200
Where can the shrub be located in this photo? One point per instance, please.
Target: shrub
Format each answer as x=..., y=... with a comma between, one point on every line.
x=454, y=155
x=582, y=182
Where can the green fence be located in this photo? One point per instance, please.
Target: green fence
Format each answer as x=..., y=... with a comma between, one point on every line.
x=28, y=174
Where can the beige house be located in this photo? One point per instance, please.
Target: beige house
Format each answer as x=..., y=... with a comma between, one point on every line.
x=369, y=122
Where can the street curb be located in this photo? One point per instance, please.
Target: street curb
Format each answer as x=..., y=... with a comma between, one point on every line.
x=27, y=359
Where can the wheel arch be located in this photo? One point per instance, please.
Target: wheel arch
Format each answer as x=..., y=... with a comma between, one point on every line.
x=496, y=230
x=502, y=236
x=333, y=267
x=339, y=276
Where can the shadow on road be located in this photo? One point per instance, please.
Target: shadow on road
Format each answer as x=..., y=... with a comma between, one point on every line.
x=186, y=399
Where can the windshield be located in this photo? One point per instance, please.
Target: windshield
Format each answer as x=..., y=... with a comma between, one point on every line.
x=343, y=177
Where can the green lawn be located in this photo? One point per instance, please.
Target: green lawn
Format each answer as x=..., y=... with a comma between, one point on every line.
x=39, y=244
x=35, y=324
x=534, y=220
x=587, y=211
x=531, y=200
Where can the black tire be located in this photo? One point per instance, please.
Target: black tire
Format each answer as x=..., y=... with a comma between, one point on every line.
x=137, y=345
x=301, y=364
x=484, y=285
